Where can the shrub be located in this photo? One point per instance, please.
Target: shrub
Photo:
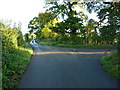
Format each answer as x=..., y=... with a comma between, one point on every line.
x=111, y=64
x=14, y=65
x=14, y=58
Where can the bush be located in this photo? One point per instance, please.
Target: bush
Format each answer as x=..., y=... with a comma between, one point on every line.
x=14, y=65
x=14, y=58
x=111, y=64
x=9, y=39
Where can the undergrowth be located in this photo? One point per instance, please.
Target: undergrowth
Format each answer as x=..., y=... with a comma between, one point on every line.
x=14, y=65
x=111, y=64
x=51, y=43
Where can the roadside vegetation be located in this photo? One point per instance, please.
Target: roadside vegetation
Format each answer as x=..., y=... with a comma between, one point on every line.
x=16, y=54
x=111, y=64
x=52, y=43
x=65, y=26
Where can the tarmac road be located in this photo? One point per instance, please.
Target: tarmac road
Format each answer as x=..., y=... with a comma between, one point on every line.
x=58, y=67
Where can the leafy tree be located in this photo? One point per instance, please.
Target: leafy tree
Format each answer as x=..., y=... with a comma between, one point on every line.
x=33, y=25
x=91, y=31
x=44, y=18
x=108, y=13
x=46, y=31
x=40, y=25
x=20, y=39
x=72, y=23
x=111, y=31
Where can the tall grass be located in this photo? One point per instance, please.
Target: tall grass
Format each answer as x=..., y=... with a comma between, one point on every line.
x=111, y=64
x=14, y=65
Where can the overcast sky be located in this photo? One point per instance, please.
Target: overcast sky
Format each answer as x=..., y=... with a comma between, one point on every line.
x=23, y=11
x=20, y=11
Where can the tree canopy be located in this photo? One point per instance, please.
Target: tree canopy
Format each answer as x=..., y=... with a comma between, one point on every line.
x=74, y=25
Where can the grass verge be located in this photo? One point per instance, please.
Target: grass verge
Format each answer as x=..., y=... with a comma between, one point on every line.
x=50, y=43
x=111, y=64
x=14, y=65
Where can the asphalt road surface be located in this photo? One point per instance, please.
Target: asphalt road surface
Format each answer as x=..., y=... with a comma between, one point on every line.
x=58, y=67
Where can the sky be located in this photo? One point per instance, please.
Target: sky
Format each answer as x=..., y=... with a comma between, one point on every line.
x=23, y=11
x=20, y=11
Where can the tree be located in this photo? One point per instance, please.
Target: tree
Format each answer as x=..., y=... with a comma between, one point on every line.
x=74, y=20
x=90, y=31
x=46, y=31
x=41, y=23
x=108, y=13
x=20, y=39
x=33, y=25
x=112, y=28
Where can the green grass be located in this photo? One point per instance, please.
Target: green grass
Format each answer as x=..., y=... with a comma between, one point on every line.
x=14, y=65
x=111, y=64
x=51, y=43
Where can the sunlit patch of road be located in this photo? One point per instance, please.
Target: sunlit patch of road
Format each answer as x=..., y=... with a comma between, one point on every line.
x=43, y=53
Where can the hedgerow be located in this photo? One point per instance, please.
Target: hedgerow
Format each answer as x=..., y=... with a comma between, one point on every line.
x=15, y=55
x=14, y=65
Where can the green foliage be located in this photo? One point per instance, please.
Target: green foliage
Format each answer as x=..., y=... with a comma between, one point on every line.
x=11, y=42
x=71, y=24
x=76, y=27
x=33, y=25
x=46, y=31
x=13, y=66
x=14, y=58
x=67, y=44
x=90, y=32
x=44, y=18
x=40, y=25
x=111, y=64
x=20, y=39
x=27, y=39
x=108, y=13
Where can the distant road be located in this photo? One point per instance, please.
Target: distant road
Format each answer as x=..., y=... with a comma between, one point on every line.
x=57, y=67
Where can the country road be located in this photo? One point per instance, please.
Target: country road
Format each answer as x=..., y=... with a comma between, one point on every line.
x=58, y=67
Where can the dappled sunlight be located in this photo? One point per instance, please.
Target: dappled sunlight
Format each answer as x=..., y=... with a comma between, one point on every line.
x=44, y=53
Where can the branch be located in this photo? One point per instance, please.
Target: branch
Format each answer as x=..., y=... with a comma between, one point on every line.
x=107, y=2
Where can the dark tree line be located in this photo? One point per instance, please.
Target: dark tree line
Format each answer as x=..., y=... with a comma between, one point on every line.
x=76, y=27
